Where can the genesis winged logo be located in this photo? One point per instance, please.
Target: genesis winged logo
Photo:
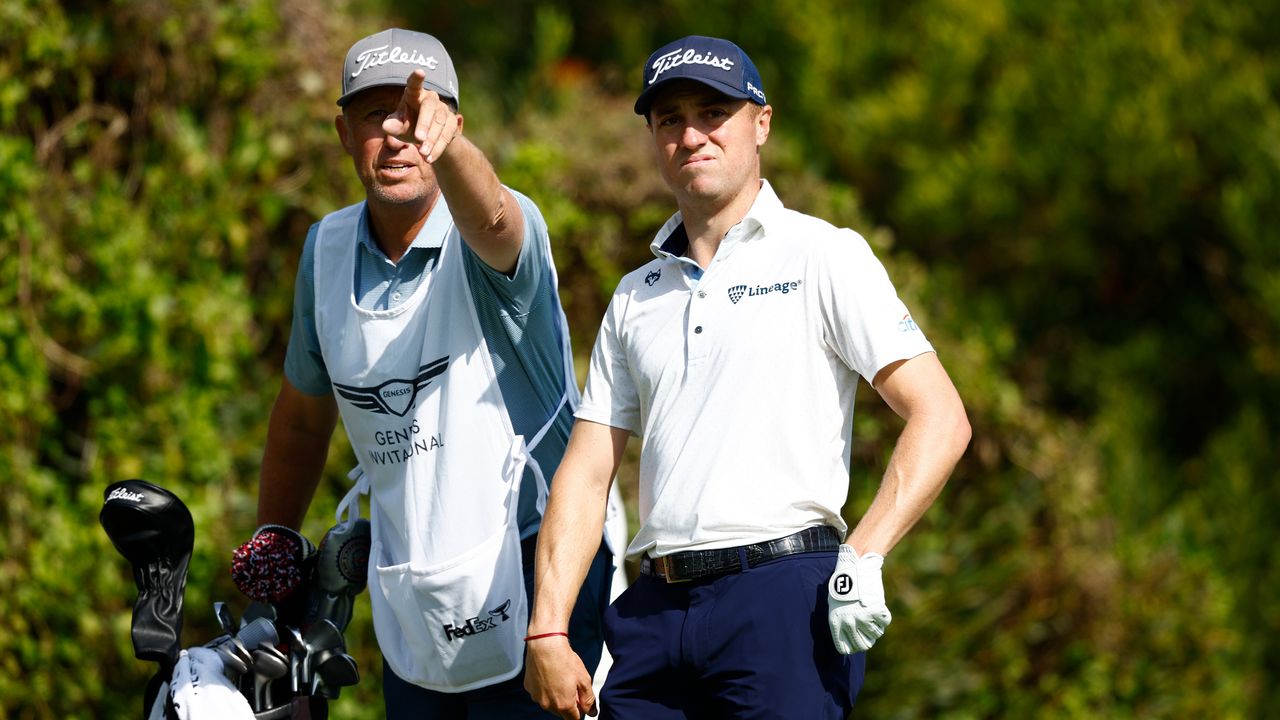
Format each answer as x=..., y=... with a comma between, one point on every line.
x=394, y=397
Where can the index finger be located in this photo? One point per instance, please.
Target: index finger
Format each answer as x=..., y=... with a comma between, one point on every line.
x=402, y=123
x=413, y=89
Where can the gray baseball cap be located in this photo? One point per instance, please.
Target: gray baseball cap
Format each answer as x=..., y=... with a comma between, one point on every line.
x=388, y=57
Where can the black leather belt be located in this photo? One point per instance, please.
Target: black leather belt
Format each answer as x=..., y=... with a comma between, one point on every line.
x=694, y=564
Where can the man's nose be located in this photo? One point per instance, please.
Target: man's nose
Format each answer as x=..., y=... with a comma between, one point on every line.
x=692, y=137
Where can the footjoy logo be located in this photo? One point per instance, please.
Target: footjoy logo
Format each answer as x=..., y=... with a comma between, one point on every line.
x=738, y=291
x=394, y=397
x=122, y=494
x=476, y=625
x=842, y=585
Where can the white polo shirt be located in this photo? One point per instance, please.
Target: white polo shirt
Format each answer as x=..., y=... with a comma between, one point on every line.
x=740, y=380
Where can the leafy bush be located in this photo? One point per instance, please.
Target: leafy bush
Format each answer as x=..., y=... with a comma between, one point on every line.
x=1076, y=200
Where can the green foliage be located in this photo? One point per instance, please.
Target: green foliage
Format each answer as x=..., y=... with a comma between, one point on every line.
x=152, y=160
x=1077, y=200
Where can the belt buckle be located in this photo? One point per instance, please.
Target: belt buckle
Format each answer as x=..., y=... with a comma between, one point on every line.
x=662, y=567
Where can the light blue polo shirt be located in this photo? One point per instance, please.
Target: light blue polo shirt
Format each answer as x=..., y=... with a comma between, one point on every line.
x=519, y=316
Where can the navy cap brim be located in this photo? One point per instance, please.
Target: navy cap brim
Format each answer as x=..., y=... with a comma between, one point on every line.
x=645, y=101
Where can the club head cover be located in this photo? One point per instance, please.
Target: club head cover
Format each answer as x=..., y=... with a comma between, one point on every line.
x=153, y=530
x=342, y=571
x=275, y=566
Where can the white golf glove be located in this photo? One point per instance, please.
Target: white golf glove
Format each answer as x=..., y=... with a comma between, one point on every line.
x=858, y=615
x=201, y=691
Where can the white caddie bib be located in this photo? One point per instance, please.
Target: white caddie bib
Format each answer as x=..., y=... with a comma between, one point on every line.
x=440, y=462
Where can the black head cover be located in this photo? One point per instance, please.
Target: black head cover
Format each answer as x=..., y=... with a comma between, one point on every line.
x=153, y=530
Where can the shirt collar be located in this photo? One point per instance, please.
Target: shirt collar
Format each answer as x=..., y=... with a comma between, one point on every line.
x=673, y=241
x=431, y=235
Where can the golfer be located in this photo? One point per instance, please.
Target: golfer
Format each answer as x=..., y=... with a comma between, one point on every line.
x=735, y=355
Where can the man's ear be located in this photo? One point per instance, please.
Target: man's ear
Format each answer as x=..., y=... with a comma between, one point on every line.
x=340, y=124
x=763, y=119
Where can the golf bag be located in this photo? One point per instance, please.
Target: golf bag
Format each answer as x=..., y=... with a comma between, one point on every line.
x=270, y=667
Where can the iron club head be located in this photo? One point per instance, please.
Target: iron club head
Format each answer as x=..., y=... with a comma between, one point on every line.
x=269, y=665
x=324, y=635
x=225, y=621
x=257, y=632
x=338, y=669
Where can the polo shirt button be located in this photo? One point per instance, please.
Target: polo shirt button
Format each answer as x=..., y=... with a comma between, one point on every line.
x=702, y=294
x=396, y=297
x=698, y=330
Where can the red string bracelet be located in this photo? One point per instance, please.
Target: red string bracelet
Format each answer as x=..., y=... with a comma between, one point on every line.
x=545, y=635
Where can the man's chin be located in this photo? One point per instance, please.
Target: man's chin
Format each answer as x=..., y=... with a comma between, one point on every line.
x=703, y=189
x=396, y=194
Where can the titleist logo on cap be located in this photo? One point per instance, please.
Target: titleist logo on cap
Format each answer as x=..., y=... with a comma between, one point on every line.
x=376, y=57
x=676, y=58
x=714, y=62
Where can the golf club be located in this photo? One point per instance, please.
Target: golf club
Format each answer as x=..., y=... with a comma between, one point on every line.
x=225, y=621
x=269, y=665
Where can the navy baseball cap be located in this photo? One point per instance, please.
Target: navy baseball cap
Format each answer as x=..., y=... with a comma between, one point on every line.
x=711, y=61
x=388, y=57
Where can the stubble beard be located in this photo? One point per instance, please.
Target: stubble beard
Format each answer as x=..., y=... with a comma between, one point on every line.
x=407, y=191
x=401, y=193
x=387, y=196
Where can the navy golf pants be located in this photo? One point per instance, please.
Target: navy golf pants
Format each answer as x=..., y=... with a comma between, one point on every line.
x=753, y=644
x=508, y=699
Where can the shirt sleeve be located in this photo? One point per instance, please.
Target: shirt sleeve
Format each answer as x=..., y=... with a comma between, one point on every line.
x=518, y=293
x=866, y=323
x=303, y=363
x=611, y=397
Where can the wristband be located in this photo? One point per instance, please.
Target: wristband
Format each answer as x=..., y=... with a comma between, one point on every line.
x=545, y=635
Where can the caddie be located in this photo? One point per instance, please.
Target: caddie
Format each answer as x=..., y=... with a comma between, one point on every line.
x=427, y=317
x=735, y=355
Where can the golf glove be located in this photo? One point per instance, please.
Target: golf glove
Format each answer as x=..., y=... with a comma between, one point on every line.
x=273, y=564
x=201, y=691
x=858, y=615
